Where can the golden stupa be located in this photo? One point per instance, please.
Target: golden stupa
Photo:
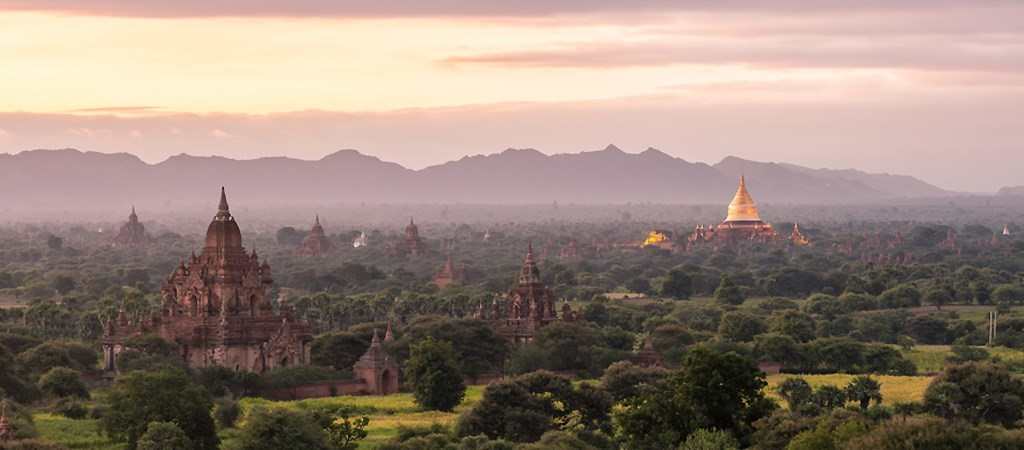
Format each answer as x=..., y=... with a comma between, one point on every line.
x=742, y=208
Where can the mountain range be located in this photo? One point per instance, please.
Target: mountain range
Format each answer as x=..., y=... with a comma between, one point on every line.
x=71, y=179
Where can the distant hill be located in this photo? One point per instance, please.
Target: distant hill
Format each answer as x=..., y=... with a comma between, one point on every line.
x=1012, y=190
x=73, y=180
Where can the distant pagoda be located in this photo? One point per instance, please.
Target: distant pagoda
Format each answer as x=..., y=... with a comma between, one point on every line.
x=742, y=223
x=413, y=245
x=316, y=242
x=449, y=274
x=132, y=233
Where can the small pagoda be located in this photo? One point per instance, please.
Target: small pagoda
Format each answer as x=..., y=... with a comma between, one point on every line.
x=132, y=233
x=316, y=242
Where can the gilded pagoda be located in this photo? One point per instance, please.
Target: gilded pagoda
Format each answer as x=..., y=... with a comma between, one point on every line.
x=742, y=223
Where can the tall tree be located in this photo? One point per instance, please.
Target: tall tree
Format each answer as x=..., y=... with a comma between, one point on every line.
x=434, y=375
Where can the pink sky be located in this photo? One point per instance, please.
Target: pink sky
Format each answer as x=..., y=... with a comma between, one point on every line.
x=928, y=88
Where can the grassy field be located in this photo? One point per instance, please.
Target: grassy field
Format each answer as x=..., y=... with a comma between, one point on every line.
x=894, y=388
x=387, y=413
x=932, y=358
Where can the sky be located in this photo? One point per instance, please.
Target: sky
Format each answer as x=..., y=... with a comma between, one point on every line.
x=933, y=88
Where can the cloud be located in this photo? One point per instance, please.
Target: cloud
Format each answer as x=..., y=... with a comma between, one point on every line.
x=418, y=8
x=117, y=110
x=919, y=53
x=221, y=134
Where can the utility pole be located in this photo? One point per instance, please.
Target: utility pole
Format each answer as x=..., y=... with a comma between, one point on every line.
x=993, y=319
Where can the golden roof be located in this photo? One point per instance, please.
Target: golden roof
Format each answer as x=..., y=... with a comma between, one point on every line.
x=742, y=208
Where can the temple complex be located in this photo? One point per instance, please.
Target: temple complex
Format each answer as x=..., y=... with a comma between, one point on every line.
x=132, y=233
x=527, y=307
x=449, y=274
x=316, y=242
x=215, y=308
x=743, y=223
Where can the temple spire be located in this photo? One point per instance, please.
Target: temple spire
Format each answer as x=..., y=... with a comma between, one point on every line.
x=223, y=207
x=388, y=335
x=316, y=220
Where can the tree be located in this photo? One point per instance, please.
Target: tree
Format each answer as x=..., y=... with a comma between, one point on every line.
x=677, y=284
x=704, y=439
x=164, y=436
x=63, y=382
x=937, y=297
x=728, y=293
x=639, y=285
x=901, y=296
x=977, y=392
x=1008, y=294
x=712, y=390
x=344, y=432
x=508, y=411
x=624, y=379
x=796, y=392
x=62, y=284
x=739, y=326
x=794, y=324
x=863, y=390
x=828, y=397
x=434, y=375
x=339, y=350
x=138, y=398
x=281, y=429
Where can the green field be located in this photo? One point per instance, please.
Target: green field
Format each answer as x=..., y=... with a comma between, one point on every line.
x=387, y=413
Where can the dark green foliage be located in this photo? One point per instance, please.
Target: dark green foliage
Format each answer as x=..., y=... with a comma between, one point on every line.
x=713, y=390
x=738, y=326
x=677, y=284
x=432, y=372
x=524, y=408
x=794, y=324
x=478, y=350
x=902, y=296
x=164, y=436
x=286, y=377
x=63, y=382
x=226, y=412
x=624, y=379
x=338, y=350
x=281, y=429
x=796, y=392
x=977, y=392
x=728, y=293
x=937, y=434
x=69, y=407
x=138, y=398
x=863, y=390
x=703, y=439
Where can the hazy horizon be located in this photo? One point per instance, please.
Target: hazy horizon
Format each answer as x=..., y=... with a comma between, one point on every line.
x=931, y=89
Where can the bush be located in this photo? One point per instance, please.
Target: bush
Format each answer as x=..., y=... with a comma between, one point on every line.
x=226, y=412
x=164, y=436
x=63, y=382
x=70, y=408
